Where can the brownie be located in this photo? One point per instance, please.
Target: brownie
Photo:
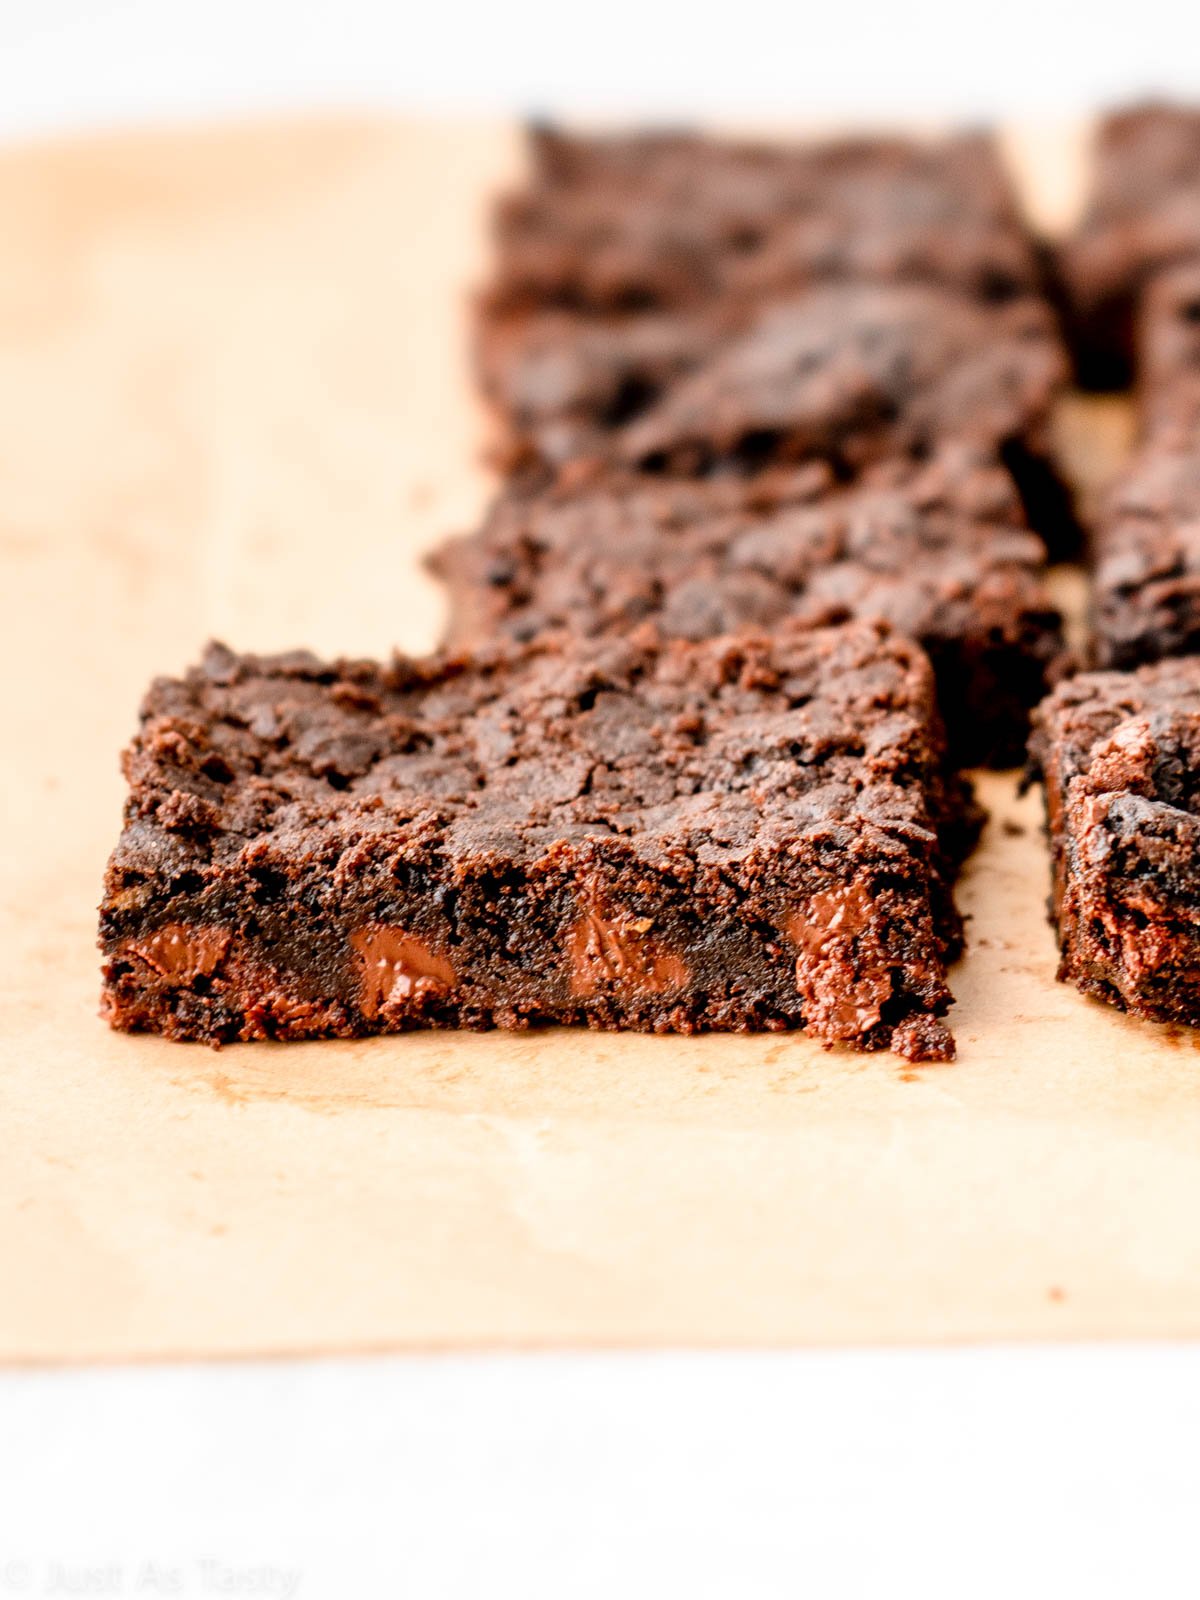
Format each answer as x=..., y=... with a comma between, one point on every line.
x=1168, y=354
x=939, y=551
x=665, y=220
x=1146, y=578
x=562, y=385
x=851, y=375
x=1143, y=214
x=1119, y=754
x=636, y=833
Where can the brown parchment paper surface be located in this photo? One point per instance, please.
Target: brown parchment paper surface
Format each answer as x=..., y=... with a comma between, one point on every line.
x=234, y=400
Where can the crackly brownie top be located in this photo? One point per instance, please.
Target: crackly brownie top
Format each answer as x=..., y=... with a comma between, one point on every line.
x=652, y=219
x=1135, y=733
x=762, y=176
x=938, y=549
x=849, y=372
x=715, y=752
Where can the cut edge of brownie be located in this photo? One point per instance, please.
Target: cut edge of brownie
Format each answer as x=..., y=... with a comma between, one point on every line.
x=1118, y=755
x=282, y=874
x=1142, y=215
x=940, y=551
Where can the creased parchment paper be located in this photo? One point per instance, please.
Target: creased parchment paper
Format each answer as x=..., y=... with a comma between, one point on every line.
x=234, y=400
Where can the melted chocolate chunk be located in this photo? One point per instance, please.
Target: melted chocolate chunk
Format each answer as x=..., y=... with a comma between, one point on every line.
x=395, y=966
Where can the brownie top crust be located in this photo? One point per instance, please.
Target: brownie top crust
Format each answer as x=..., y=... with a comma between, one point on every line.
x=1168, y=352
x=657, y=220
x=1125, y=733
x=940, y=547
x=853, y=374
x=718, y=750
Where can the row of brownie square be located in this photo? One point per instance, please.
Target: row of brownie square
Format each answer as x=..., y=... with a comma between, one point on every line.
x=535, y=565
x=625, y=830
x=712, y=432
x=1118, y=750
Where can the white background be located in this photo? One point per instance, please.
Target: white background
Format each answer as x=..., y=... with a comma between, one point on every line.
x=73, y=61
x=977, y=1472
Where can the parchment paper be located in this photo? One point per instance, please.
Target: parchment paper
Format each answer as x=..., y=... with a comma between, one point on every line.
x=234, y=401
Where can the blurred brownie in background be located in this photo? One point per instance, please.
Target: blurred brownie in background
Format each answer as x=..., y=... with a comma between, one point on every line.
x=749, y=833
x=939, y=550
x=1119, y=756
x=852, y=376
x=666, y=220
x=1143, y=214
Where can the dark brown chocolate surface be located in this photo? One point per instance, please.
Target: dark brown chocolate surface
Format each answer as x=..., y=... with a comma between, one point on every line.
x=666, y=220
x=1119, y=755
x=737, y=834
x=939, y=551
x=850, y=375
x=1143, y=215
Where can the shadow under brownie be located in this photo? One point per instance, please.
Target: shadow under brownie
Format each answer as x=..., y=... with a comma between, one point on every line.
x=939, y=551
x=742, y=833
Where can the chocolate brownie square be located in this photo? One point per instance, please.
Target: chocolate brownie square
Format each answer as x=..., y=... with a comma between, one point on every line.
x=1119, y=755
x=660, y=221
x=737, y=834
x=939, y=551
x=1143, y=214
x=561, y=386
x=1146, y=581
x=852, y=376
